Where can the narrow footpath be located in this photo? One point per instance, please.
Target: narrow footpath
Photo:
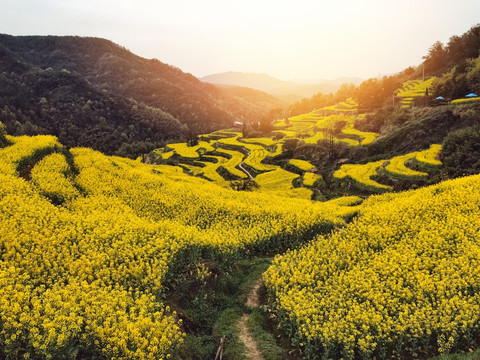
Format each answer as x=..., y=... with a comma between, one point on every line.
x=245, y=170
x=251, y=348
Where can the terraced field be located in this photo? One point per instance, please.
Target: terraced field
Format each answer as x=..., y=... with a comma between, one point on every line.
x=191, y=152
x=396, y=168
x=363, y=138
x=231, y=165
x=302, y=165
x=225, y=155
x=465, y=101
x=241, y=158
x=412, y=89
x=279, y=182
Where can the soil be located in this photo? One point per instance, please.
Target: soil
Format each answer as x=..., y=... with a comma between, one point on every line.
x=251, y=348
x=253, y=299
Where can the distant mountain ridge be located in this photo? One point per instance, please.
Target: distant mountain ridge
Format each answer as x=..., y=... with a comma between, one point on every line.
x=274, y=86
x=337, y=81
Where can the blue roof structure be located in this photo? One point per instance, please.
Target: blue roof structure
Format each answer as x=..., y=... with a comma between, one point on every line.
x=471, y=95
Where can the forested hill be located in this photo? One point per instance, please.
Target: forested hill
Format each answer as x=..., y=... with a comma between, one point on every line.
x=92, y=92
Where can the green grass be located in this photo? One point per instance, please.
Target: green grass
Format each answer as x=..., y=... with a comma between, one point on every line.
x=212, y=309
x=258, y=325
x=474, y=355
x=226, y=325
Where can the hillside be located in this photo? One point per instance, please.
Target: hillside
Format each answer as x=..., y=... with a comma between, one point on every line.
x=119, y=234
x=162, y=250
x=400, y=281
x=349, y=230
x=128, y=236
x=280, y=88
x=256, y=98
x=85, y=88
x=417, y=128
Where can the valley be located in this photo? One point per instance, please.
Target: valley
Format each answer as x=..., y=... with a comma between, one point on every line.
x=145, y=214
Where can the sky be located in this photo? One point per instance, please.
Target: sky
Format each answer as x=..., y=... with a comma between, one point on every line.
x=302, y=39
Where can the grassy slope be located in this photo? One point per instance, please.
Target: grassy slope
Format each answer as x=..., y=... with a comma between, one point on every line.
x=423, y=127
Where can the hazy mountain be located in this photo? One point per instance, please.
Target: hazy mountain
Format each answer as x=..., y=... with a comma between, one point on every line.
x=338, y=81
x=286, y=90
x=253, y=96
x=261, y=82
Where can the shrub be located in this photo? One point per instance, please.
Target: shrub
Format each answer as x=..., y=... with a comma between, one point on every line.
x=461, y=152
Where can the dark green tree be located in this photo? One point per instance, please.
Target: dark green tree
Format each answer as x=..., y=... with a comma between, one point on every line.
x=3, y=140
x=436, y=58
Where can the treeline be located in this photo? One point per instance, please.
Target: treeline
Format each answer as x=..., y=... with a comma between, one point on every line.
x=320, y=100
x=457, y=65
x=370, y=94
x=441, y=58
x=65, y=105
x=3, y=133
x=462, y=79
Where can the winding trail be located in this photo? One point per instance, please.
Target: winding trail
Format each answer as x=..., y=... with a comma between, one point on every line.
x=253, y=299
x=244, y=170
x=251, y=349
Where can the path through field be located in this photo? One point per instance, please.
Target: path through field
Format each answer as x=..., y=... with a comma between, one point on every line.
x=245, y=170
x=251, y=348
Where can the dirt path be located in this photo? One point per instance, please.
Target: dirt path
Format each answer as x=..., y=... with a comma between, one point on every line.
x=245, y=170
x=253, y=299
x=251, y=348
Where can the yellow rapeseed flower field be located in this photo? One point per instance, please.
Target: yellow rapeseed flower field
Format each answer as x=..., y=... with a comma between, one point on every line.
x=361, y=174
x=88, y=246
x=401, y=281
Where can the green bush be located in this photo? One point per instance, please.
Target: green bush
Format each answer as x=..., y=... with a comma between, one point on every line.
x=461, y=152
x=3, y=133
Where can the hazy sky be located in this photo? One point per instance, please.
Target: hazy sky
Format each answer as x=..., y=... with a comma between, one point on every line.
x=286, y=39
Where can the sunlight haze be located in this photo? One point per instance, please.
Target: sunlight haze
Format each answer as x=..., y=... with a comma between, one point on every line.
x=288, y=40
